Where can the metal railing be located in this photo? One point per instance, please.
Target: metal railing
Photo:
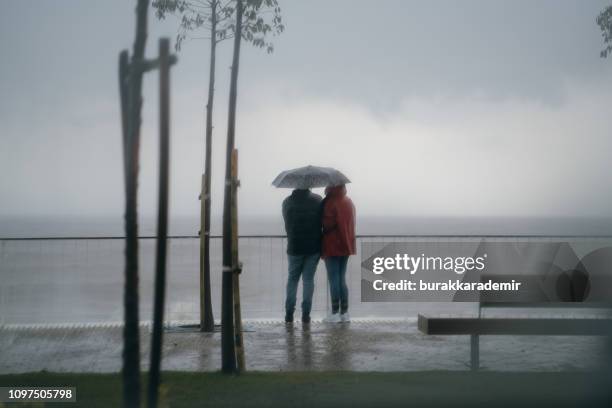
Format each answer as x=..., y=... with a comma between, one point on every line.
x=80, y=279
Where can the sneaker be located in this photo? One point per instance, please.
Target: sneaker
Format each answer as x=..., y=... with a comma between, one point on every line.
x=333, y=318
x=305, y=319
x=345, y=318
x=289, y=318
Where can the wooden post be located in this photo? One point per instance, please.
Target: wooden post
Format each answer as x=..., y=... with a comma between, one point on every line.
x=162, y=221
x=236, y=265
x=124, y=73
x=203, y=233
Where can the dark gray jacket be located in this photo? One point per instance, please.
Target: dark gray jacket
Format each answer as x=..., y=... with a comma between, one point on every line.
x=302, y=215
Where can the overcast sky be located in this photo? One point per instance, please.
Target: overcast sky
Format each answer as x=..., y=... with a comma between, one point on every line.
x=430, y=107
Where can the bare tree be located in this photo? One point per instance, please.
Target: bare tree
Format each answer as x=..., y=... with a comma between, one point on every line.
x=213, y=20
x=228, y=339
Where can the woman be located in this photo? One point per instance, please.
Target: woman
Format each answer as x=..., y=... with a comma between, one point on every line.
x=338, y=244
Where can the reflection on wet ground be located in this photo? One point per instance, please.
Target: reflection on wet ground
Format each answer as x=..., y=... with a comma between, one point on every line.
x=364, y=345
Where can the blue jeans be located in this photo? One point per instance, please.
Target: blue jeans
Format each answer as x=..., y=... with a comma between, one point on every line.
x=304, y=266
x=336, y=275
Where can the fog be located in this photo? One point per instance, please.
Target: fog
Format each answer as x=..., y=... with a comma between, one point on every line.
x=438, y=108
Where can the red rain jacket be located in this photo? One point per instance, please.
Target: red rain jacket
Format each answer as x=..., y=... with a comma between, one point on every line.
x=338, y=224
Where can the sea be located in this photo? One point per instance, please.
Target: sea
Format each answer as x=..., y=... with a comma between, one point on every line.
x=73, y=271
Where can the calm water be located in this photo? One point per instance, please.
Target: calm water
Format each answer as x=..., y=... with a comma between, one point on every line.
x=81, y=280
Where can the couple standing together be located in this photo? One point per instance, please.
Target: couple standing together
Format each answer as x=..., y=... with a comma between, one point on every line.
x=319, y=228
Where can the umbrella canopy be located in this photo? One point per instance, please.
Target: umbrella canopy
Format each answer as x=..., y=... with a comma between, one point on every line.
x=310, y=177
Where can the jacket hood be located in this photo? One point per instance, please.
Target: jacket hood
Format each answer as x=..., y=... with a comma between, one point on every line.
x=335, y=191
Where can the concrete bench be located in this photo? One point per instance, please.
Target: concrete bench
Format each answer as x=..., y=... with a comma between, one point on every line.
x=478, y=326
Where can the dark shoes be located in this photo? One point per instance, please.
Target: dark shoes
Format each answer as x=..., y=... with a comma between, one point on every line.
x=289, y=318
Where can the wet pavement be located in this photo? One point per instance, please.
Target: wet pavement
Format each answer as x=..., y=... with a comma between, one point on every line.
x=362, y=345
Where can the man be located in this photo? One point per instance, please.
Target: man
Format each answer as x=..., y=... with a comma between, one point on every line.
x=302, y=216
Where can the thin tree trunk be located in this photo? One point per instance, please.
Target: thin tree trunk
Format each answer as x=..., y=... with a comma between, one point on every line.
x=228, y=345
x=162, y=221
x=131, y=348
x=207, y=321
